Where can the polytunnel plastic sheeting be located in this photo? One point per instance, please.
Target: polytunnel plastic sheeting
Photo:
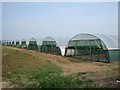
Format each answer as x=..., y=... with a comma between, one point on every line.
x=49, y=41
x=62, y=48
x=32, y=41
x=32, y=44
x=23, y=44
x=9, y=43
x=87, y=40
x=13, y=43
x=88, y=47
x=110, y=41
x=86, y=43
x=84, y=36
x=17, y=42
x=49, y=45
x=23, y=40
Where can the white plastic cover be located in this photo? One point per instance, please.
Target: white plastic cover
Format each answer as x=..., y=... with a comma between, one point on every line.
x=109, y=41
x=48, y=39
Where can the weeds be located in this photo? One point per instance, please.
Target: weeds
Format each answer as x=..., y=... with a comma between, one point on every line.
x=46, y=77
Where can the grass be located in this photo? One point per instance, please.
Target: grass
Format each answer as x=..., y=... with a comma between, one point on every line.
x=47, y=77
x=27, y=71
x=31, y=69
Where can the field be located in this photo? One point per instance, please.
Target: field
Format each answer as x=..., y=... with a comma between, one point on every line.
x=30, y=69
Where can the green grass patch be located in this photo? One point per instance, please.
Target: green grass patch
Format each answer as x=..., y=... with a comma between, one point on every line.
x=47, y=77
x=27, y=71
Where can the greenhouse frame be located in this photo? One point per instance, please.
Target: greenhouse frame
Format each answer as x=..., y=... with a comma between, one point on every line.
x=23, y=44
x=91, y=47
x=0, y=42
x=33, y=44
x=13, y=43
x=49, y=45
x=3, y=42
x=17, y=44
x=9, y=43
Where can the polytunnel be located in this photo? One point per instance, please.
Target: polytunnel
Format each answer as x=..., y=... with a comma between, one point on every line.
x=3, y=42
x=88, y=47
x=49, y=45
x=0, y=42
x=9, y=43
x=112, y=43
x=32, y=44
x=23, y=44
x=13, y=43
x=17, y=44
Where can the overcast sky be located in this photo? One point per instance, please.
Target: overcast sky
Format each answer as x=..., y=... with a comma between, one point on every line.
x=55, y=19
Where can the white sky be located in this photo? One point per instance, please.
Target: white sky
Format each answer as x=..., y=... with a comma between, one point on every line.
x=39, y=20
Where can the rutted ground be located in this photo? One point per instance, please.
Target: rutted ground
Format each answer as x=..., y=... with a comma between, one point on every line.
x=103, y=74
